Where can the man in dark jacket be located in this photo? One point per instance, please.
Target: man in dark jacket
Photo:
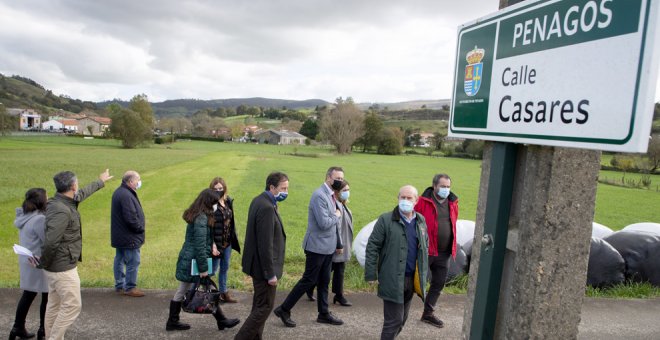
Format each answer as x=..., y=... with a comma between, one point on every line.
x=127, y=233
x=396, y=258
x=439, y=206
x=62, y=250
x=263, y=253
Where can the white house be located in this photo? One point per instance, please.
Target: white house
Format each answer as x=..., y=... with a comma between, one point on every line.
x=52, y=125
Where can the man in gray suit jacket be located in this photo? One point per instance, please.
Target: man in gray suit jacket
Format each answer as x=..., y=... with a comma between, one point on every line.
x=321, y=241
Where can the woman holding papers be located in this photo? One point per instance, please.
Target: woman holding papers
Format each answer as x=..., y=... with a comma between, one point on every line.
x=197, y=245
x=31, y=223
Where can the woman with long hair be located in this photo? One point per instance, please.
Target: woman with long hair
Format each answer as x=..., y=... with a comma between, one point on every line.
x=224, y=236
x=31, y=223
x=197, y=245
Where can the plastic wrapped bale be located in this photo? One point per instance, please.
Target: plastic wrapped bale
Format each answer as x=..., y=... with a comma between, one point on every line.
x=649, y=227
x=464, y=231
x=641, y=252
x=360, y=242
x=467, y=247
x=458, y=265
x=600, y=231
x=606, y=265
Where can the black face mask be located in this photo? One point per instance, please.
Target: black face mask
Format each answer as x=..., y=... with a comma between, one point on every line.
x=336, y=184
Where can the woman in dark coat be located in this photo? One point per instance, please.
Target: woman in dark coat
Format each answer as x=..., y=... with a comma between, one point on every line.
x=346, y=236
x=31, y=223
x=197, y=245
x=224, y=236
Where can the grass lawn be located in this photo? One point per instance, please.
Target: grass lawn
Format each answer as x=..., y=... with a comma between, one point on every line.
x=173, y=175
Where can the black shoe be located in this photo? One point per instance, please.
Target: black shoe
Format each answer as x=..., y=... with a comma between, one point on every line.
x=342, y=301
x=20, y=333
x=432, y=320
x=329, y=318
x=284, y=316
x=173, y=323
x=228, y=323
x=310, y=297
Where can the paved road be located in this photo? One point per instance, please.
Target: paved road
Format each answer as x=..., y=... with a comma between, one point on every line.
x=108, y=316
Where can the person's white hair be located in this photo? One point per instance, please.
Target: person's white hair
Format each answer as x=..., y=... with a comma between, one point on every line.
x=414, y=190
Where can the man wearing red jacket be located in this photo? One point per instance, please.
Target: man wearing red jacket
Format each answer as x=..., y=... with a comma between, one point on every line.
x=439, y=206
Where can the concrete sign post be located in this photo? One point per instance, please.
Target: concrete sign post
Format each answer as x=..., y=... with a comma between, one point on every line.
x=563, y=73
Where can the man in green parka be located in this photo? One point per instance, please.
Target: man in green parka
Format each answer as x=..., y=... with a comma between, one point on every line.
x=397, y=259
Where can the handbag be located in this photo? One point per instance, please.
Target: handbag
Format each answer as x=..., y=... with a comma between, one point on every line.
x=202, y=298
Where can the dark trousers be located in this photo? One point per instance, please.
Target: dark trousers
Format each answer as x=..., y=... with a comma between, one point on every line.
x=438, y=267
x=396, y=314
x=24, y=307
x=317, y=273
x=338, y=278
x=263, y=302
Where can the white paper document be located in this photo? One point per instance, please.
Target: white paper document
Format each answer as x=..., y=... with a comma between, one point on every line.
x=20, y=250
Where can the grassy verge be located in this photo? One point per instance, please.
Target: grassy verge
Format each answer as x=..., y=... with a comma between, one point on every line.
x=174, y=174
x=629, y=290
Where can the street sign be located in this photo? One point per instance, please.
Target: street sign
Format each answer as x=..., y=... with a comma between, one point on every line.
x=578, y=73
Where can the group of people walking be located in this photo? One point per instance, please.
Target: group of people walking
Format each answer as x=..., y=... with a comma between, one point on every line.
x=417, y=235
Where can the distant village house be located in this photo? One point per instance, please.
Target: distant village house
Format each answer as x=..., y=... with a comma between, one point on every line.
x=279, y=137
x=94, y=124
x=29, y=119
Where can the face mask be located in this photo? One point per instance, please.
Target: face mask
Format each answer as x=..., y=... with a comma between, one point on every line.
x=336, y=184
x=281, y=196
x=139, y=185
x=443, y=192
x=344, y=195
x=405, y=206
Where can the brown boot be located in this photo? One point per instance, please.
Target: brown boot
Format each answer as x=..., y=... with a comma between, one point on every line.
x=227, y=298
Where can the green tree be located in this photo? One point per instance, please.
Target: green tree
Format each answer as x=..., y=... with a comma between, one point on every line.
x=134, y=125
x=373, y=127
x=140, y=104
x=309, y=129
x=128, y=126
x=438, y=138
x=7, y=122
x=391, y=142
x=475, y=148
x=416, y=139
x=342, y=125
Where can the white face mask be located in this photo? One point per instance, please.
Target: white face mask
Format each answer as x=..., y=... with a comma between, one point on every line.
x=406, y=206
x=139, y=185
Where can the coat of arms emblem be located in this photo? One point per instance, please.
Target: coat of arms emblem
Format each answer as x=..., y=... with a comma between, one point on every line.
x=472, y=81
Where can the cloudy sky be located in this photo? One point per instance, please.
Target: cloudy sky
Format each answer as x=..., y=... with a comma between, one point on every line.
x=374, y=51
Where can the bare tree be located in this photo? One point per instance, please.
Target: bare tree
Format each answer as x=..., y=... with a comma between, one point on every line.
x=342, y=125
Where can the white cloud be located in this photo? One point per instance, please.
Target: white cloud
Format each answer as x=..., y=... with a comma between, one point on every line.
x=297, y=49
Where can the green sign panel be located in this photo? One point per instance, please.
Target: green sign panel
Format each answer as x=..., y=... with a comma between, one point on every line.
x=562, y=73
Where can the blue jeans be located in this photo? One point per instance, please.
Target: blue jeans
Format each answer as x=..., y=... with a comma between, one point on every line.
x=129, y=258
x=223, y=261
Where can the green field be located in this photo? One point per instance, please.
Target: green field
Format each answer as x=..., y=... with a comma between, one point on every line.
x=173, y=175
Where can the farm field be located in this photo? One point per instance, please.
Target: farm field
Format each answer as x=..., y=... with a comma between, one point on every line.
x=174, y=174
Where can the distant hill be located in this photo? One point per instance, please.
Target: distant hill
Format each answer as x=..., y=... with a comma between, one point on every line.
x=21, y=92
x=409, y=105
x=186, y=107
